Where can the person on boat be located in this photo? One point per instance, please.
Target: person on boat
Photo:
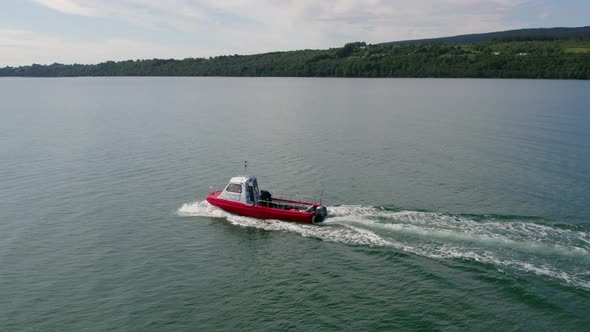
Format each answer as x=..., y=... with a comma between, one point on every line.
x=265, y=198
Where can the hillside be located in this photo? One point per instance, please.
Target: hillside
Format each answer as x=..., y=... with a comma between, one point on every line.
x=558, y=56
x=509, y=35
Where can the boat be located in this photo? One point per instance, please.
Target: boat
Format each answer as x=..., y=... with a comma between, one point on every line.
x=242, y=197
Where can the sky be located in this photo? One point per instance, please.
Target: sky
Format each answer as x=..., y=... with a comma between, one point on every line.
x=92, y=31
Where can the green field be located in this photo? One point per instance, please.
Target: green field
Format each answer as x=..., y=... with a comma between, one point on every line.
x=582, y=47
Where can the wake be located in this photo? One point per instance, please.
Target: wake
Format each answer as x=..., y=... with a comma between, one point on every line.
x=519, y=245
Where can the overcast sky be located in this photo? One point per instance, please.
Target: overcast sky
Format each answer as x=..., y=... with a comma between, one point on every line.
x=91, y=31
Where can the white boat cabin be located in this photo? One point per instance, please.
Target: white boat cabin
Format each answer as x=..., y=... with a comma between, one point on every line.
x=243, y=189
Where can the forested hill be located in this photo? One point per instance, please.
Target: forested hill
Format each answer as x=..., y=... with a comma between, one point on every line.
x=565, y=56
x=509, y=35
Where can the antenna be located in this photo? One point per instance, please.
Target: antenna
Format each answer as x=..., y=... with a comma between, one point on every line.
x=321, y=196
x=245, y=167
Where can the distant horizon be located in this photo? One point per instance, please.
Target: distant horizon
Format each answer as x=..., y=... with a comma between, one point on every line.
x=279, y=51
x=95, y=31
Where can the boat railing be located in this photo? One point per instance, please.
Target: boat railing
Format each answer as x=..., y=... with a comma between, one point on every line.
x=293, y=197
x=285, y=204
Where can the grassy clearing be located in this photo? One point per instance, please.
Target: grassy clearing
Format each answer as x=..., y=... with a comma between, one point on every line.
x=577, y=49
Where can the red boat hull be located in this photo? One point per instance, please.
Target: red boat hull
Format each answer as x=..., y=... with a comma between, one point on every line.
x=262, y=212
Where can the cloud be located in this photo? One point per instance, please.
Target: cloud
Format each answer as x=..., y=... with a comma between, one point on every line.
x=320, y=24
x=69, y=7
x=177, y=14
x=371, y=19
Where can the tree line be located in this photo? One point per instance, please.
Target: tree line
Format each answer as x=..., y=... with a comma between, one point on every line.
x=522, y=57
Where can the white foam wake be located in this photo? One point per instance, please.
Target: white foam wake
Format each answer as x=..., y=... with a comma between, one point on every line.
x=349, y=234
x=201, y=209
x=523, y=246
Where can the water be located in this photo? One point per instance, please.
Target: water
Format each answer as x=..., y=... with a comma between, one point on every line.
x=454, y=204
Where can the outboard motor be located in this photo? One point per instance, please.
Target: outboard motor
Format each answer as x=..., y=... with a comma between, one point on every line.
x=320, y=214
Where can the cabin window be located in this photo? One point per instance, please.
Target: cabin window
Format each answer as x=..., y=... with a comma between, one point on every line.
x=234, y=188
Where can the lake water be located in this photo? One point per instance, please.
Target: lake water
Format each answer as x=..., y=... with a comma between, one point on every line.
x=453, y=204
